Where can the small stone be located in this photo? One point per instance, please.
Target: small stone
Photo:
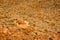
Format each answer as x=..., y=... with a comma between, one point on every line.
x=22, y=24
x=50, y=38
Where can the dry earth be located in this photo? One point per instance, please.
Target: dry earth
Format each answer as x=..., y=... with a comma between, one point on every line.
x=29, y=19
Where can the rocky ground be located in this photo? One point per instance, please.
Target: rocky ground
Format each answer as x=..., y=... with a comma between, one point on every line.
x=29, y=19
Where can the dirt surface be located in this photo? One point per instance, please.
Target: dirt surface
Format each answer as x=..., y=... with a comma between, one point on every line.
x=29, y=19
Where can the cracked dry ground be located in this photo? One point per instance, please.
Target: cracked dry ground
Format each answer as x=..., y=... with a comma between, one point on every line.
x=29, y=19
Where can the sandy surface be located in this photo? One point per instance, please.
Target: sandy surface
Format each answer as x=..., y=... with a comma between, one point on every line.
x=29, y=19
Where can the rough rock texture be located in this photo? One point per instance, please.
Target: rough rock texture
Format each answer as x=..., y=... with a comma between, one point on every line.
x=29, y=19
